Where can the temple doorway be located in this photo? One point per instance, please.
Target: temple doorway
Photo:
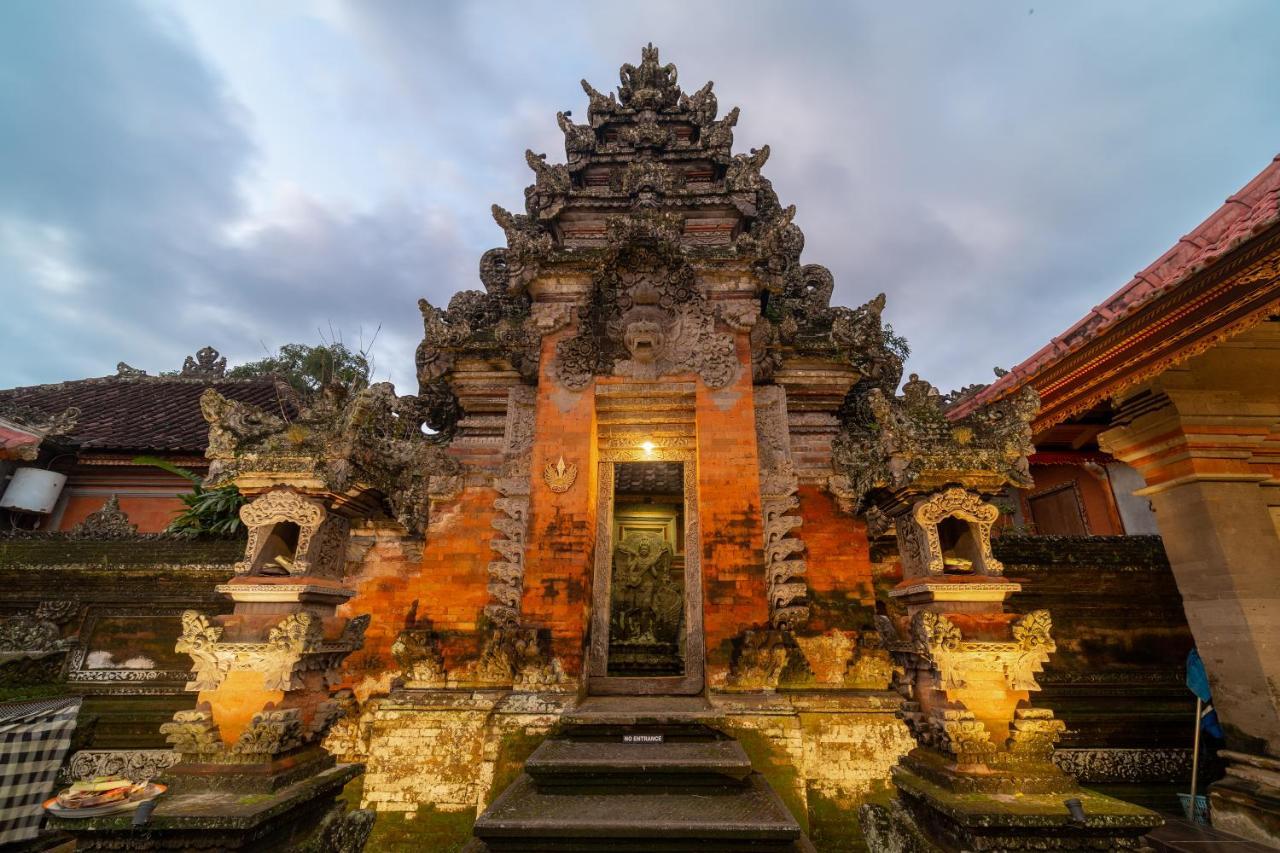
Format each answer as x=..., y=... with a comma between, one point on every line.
x=646, y=622
x=646, y=595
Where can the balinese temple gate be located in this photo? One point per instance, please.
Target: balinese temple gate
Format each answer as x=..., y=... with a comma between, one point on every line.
x=640, y=519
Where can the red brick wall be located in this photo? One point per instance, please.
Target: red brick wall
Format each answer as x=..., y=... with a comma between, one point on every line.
x=838, y=564
x=734, y=592
x=560, y=549
x=450, y=584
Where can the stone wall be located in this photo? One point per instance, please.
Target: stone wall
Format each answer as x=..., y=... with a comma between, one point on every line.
x=430, y=754
x=1118, y=676
x=116, y=606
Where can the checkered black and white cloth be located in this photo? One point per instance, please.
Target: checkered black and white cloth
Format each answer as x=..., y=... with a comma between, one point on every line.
x=34, y=739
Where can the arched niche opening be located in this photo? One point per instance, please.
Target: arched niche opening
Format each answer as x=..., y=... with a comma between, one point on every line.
x=279, y=551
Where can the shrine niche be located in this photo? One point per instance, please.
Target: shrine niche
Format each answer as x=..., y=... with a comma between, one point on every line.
x=948, y=533
x=646, y=583
x=292, y=535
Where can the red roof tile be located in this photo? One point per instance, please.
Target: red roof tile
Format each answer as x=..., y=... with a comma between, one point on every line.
x=148, y=413
x=1255, y=207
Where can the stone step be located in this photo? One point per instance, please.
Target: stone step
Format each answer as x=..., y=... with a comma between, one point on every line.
x=475, y=845
x=730, y=818
x=574, y=761
x=641, y=711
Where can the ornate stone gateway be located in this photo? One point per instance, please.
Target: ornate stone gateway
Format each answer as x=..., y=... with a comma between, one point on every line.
x=655, y=452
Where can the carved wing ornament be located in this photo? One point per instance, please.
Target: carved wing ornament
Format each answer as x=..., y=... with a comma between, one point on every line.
x=560, y=477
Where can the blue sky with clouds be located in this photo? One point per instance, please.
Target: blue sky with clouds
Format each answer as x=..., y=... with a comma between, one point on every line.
x=241, y=174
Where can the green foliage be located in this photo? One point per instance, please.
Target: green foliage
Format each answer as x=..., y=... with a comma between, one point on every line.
x=215, y=512
x=896, y=343
x=309, y=368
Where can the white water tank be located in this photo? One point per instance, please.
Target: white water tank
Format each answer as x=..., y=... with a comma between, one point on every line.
x=33, y=490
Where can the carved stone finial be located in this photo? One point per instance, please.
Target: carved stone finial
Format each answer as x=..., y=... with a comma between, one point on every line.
x=648, y=86
x=205, y=365
x=125, y=371
x=109, y=522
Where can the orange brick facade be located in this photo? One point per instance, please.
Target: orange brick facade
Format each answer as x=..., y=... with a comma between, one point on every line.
x=447, y=587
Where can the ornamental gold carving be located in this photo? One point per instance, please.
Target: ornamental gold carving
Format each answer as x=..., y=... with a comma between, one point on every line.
x=560, y=477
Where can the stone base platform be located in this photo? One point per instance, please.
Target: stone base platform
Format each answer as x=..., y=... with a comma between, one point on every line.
x=928, y=817
x=1247, y=801
x=225, y=820
x=435, y=754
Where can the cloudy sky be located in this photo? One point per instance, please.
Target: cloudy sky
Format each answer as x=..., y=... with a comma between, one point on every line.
x=246, y=174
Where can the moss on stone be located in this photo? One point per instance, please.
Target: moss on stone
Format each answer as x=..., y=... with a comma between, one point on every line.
x=836, y=826
x=773, y=763
x=27, y=692
x=513, y=750
x=427, y=829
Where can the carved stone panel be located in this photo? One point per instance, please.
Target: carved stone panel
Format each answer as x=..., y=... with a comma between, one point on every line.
x=783, y=547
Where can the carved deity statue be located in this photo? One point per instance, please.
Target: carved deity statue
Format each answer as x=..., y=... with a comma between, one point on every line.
x=646, y=604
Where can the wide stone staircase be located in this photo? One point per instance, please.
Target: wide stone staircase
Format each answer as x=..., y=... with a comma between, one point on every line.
x=623, y=780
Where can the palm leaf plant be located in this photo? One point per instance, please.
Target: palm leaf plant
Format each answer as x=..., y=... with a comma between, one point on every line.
x=214, y=512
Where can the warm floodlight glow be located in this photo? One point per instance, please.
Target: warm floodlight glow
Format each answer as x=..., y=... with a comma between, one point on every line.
x=647, y=446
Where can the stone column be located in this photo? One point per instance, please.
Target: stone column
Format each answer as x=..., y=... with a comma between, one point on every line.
x=1202, y=448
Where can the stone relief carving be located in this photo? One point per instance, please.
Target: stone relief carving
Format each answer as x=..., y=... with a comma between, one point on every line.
x=939, y=661
x=506, y=574
x=28, y=634
x=417, y=654
x=647, y=317
x=270, y=733
x=199, y=639
x=896, y=442
x=293, y=646
x=136, y=765
x=109, y=522
x=761, y=659
x=345, y=437
x=194, y=735
x=646, y=608
x=783, y=547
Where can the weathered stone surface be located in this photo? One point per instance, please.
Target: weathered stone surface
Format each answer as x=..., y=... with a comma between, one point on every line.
x=598, y=758
x=664, y=820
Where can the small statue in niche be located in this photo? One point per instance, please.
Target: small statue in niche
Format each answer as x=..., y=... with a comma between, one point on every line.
x=646, y=604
